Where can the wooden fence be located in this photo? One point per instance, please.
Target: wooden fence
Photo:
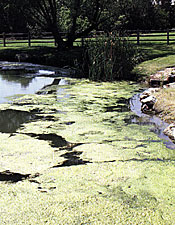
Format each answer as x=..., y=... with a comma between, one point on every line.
x=142, y=36
x=11, y=39
x=137, y=36
x=7, y=39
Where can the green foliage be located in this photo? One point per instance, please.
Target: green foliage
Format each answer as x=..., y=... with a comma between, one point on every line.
x=110, y=58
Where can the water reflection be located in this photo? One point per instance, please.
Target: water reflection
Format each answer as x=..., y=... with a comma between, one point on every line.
x=24, y=81
x=19, y=79
x=21, y=86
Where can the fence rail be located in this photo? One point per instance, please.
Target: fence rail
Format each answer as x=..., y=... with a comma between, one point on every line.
x=141, y=36
x=137, y=36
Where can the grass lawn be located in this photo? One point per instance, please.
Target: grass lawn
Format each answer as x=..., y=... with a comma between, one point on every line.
x=155, y=57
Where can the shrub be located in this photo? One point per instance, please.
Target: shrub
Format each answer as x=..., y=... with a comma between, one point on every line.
x=110, y=58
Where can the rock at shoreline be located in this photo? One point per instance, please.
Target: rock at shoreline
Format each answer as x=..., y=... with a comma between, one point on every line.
x=148, y=100
x=170, y=131
x=171, y=85
x=162, y=77
x=148, y=103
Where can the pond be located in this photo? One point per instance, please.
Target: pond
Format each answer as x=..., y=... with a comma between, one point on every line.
x=82, y=152
x=18, y=79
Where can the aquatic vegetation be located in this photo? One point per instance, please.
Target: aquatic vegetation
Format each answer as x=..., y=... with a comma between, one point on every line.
x=110, y=58
x=87, y=165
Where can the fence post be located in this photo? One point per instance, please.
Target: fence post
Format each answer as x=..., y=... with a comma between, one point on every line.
x=138, y=37
x=29, y=39
x=55, y=43
x=4, y=39
x=168, y=37
x=82, y=42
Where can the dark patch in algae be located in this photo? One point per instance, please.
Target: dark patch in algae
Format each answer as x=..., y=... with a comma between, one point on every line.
x=49, y=118
x=56, y=140
x=69, y=123
x=123, y=101
x=72, y=159
x=12, y=177
x=121, y=105
x=11, y=120
x=147, y=159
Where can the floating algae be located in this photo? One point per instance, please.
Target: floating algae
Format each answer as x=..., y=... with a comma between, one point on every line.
x=114, y=172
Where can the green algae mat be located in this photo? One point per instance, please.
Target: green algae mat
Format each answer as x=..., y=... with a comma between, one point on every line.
x=77, y=159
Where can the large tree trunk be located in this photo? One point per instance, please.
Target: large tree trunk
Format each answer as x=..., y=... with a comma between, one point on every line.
x=60, y=43
x=70, y=40
x=72, y=34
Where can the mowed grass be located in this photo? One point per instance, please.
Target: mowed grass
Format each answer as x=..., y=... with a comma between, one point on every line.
x=33, y=43
x=156, y=57
x=153, y=37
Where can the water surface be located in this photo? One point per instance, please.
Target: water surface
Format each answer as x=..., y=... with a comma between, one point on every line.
x=20, y=79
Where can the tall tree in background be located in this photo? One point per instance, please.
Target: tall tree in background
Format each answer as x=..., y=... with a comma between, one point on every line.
x=164, y=14
x=79, y=17
x=82, y=17
x=167, y=6
x=11, y=16
x=138, y=14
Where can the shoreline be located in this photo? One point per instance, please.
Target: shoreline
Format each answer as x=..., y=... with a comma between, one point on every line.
x=160, y=101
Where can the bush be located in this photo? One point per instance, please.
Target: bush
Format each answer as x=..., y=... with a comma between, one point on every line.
x=110, y=58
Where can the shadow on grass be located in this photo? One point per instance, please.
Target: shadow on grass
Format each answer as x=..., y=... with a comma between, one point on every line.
x=155, y=50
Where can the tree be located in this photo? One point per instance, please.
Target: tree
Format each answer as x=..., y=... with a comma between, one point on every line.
x=137, y=14
x=82, y=17
x=11, y=16
x=164, y=14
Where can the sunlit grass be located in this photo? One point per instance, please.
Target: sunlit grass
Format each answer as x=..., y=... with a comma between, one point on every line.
x=33, y=43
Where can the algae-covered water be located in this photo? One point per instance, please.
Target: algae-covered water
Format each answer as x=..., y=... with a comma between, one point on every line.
x=78, y=160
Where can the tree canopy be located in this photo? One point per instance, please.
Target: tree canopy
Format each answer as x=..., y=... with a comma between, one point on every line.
x=75, y=17
x=79, y=17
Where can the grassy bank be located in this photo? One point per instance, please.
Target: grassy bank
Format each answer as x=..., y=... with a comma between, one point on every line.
x=155, y=57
